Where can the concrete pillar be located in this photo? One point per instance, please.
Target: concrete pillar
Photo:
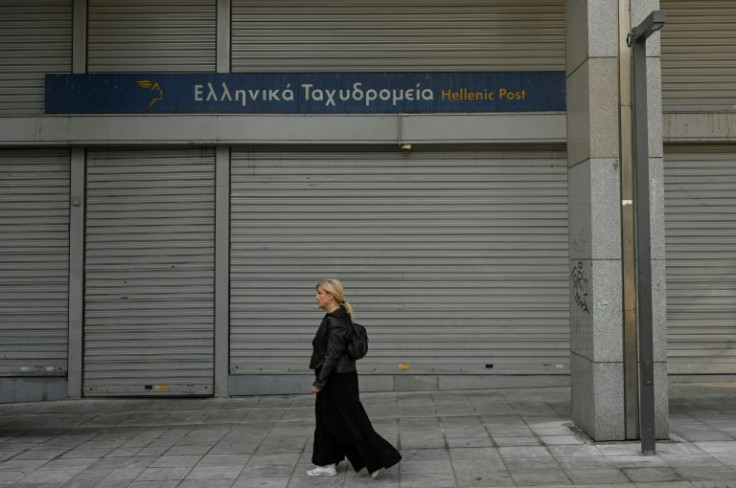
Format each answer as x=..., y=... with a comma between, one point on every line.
x=594, y=202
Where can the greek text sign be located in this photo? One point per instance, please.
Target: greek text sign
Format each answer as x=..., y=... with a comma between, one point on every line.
x=305, y=93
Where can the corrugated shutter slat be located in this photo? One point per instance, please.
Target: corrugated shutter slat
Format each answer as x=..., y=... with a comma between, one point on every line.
x=36, y=36
x=699, y=55
x=407, y=35
x=700, y=202
x=34, y=262
x=446, y=278
x=159, y=36
x=149, y=272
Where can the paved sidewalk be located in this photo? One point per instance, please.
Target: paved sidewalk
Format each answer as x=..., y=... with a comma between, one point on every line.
x=488, y=438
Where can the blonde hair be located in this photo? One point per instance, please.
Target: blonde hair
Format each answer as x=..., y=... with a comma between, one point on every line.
x=335, y=288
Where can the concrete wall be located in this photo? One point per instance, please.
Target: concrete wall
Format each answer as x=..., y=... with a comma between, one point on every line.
x=19, y=390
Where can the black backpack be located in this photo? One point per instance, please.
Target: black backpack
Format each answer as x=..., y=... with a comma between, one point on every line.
x=357, y=344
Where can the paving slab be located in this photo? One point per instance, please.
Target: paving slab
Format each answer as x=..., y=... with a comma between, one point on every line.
x=449, y=439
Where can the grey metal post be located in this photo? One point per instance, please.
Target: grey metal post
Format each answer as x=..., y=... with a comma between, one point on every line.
x=222, y=271
x=222, y=221
x=75, y=363
x=79, y=37
x=224, y=48
x=78, y=156
x=637, y=40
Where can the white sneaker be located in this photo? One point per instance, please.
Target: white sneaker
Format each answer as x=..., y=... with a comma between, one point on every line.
x=374, y=474
x=328, y=470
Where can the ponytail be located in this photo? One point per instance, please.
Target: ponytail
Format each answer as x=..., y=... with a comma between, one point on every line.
x=349, y=309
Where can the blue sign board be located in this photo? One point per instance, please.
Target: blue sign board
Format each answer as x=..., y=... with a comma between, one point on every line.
x=305, y=93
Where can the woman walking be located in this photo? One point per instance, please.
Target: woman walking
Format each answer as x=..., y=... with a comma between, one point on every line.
x=342, y=428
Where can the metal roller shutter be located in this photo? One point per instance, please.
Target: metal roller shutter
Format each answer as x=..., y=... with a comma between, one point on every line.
x=700, y=202
x=699, y=55
x=405, y=35
x=456, y=261
x=159, y=36
x=36, y=36
x=34, y=262
x=149, y=272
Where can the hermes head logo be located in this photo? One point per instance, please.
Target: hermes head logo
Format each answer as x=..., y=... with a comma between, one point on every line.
x=154, y=87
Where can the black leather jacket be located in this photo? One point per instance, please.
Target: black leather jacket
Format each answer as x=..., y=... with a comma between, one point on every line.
x=328, y=347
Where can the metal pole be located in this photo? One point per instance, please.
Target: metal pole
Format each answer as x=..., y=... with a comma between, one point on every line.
x=638, y=39
x=643, y=250
x=628, y=231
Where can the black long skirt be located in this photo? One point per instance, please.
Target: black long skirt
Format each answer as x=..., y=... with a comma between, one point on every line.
x=343, y=428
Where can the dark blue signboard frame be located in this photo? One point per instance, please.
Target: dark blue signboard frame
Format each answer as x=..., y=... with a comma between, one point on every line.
x=305, y=93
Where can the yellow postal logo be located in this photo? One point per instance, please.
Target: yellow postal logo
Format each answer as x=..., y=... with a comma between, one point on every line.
x=152, y=86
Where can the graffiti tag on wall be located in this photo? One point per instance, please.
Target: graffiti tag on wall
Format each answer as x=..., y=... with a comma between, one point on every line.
x=580, y=287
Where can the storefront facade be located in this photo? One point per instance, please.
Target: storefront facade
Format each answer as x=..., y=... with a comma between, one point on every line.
x=176, y=253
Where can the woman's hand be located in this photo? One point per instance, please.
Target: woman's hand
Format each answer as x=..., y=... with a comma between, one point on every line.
x=315, y=389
